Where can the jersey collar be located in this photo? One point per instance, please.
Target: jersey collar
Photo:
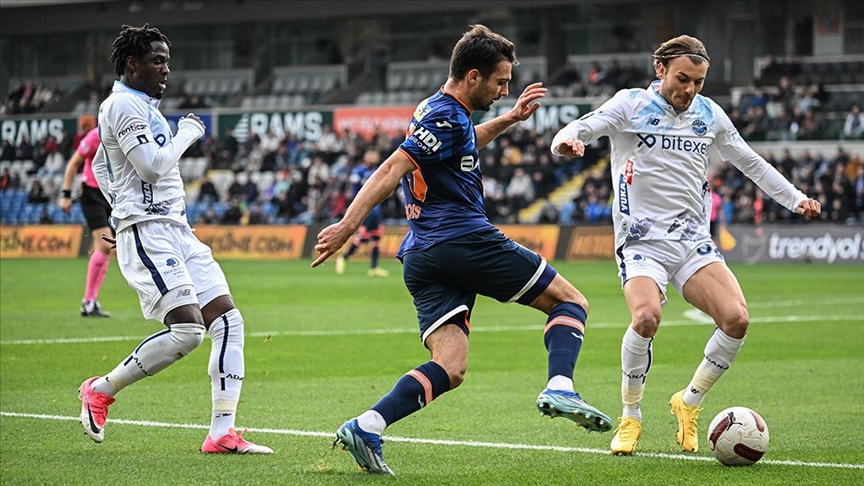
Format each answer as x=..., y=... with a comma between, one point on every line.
x=457, y=99
x=121, y=87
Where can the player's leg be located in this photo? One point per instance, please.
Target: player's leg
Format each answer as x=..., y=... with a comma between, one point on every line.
x=360, y=238
x=644, y=279
x=373, y=229
x=443, y=315
x=375, y=240
x=226, y=366
x=707, y=283
x=154, y=269
x=564, y=333
x=495, y=266
x=96, y=213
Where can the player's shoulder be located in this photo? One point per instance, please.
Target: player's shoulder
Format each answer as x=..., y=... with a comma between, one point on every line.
x=630, y=98
x=123, y=101
x=709, y=109
x=441, y=107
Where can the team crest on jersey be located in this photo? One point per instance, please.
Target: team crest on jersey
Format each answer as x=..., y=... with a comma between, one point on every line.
x=699, y=127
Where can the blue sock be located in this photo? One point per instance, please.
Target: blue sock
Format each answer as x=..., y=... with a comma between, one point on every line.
x=351, y=250
x=565, y=329
x=375, y=253
x=413, y=391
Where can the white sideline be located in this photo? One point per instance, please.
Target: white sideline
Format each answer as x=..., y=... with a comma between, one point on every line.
x=692, y=321
x=471, y=443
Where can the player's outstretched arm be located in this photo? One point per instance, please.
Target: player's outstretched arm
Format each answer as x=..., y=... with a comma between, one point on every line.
x=525, y=106
x=380, y=185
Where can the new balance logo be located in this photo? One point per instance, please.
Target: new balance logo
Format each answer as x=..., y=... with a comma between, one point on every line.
x=654, y=121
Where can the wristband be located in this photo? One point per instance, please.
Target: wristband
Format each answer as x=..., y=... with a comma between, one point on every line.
x=67, y=193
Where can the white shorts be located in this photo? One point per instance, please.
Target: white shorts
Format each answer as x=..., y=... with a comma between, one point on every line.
x=665, y=260
x=158, y=257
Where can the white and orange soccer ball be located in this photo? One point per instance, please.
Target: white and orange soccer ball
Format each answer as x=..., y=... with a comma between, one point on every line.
x=738, y=436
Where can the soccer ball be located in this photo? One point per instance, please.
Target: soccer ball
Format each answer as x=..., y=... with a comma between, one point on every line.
x=738, y=436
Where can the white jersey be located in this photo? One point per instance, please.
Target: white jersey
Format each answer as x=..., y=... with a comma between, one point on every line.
x=660, y=163
x=127, y=119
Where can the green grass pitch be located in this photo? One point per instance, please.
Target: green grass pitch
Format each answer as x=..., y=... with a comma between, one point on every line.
x=321, y=348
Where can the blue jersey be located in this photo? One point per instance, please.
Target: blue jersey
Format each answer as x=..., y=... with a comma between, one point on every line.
x=444, y=195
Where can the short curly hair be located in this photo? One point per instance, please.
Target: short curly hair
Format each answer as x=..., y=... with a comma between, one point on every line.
x=135, y=42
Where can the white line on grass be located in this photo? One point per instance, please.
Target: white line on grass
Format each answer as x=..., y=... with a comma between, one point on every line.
x=355, y=332
x=468, y=443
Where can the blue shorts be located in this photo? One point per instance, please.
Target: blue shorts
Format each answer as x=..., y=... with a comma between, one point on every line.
x=445, y=279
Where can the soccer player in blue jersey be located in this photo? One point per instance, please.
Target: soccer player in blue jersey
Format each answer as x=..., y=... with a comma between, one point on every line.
x=372, y=227
x=452, y=252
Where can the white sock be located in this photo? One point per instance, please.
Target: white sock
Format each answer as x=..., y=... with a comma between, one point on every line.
x=226, y=369
x=720, y=352
x=153, y=355
x=372, y=421
x=635, y=363
x=560, y=382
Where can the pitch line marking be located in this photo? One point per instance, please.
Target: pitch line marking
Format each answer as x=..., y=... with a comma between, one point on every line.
x=463, y=443
x=479, y=328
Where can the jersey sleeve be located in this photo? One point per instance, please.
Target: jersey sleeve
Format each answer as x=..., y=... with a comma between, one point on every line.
x=88, y=145
x=732, y=148
x=606, y=120
x=129, y=123
x=437, y=138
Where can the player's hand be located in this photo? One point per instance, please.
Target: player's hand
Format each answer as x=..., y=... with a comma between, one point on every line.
x=330, y=240
x=809, y=208
x=192, y=116
x=66, y=204
x=527, y=103
x=572, y=147
x=111, y=241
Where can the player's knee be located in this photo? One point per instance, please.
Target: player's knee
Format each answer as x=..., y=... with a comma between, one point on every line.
x=186, y=337
x=567, y=293
x=457, y=377
x=646, y=322
x=735, y=325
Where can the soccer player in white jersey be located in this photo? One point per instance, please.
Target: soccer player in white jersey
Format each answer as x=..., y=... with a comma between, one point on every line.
x=177, y=280
x=660, y=138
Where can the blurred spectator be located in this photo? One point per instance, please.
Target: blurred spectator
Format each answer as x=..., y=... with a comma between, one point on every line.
x=520, y=190
x=209, y=216
x=207, y=191
x=5, y=179
x=8, y=152
x=37, y=194
x=242, y=188
x=853, y=126
x=256, y=214
x=191, y=102
x=234, y=213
